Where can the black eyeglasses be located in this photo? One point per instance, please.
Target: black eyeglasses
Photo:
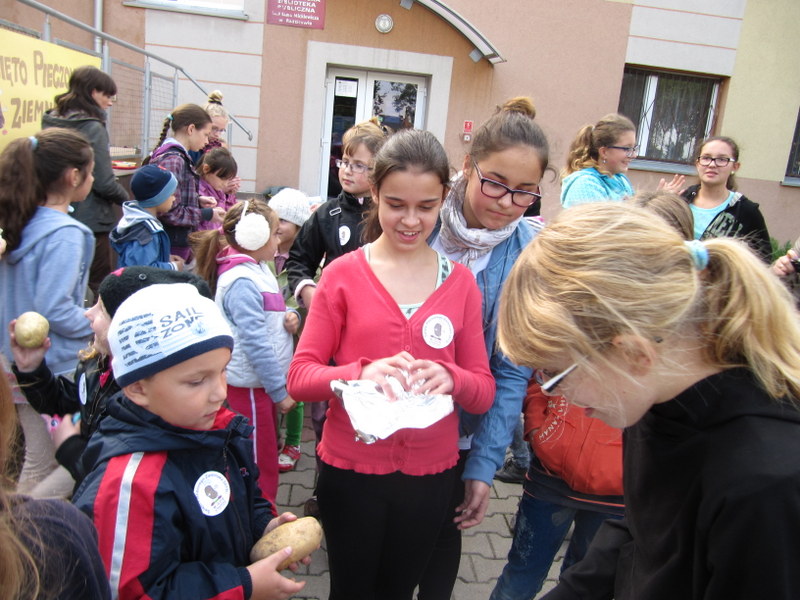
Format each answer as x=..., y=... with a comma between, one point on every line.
x=718, y=161
x=630, y=151
x=495, y=189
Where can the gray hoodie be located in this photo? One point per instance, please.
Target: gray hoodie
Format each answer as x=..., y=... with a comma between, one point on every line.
x=48, y=274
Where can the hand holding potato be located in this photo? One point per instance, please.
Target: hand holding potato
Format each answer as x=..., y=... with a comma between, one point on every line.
x=26, y=359
x=268, y=584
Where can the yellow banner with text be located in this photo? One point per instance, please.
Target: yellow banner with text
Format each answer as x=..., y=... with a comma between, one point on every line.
x=32, y=73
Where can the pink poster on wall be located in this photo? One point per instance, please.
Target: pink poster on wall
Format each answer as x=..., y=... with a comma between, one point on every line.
x=297, y=13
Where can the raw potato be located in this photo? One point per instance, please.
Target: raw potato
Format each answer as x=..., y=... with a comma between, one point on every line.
x=303, y=535
x=31, y=329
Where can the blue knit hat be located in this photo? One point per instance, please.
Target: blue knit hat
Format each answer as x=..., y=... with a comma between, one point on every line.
x=152, y=185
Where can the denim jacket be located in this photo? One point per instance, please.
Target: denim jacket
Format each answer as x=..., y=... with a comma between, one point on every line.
x=492, y=431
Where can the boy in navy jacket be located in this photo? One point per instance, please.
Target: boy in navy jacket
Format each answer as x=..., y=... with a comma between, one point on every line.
x=139, y=239
x=172, y=484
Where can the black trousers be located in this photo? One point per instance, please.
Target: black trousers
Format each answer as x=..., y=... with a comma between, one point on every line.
x=380, y=530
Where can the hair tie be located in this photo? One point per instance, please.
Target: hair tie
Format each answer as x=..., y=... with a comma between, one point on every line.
x=252, y=231
x=699, y=253
x=34, y=142
x=169, y=117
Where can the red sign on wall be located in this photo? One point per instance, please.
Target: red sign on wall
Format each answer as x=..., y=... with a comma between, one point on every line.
x=297, y=13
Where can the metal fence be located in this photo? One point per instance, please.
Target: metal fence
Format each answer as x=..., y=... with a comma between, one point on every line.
x=146, y=92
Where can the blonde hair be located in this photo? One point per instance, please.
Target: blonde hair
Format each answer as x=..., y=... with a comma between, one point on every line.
x=214, y=106
x=207, y=244
x=606, y=269
x=584, y=152
x=19, y=571
x=370, y=133
x=671, y=207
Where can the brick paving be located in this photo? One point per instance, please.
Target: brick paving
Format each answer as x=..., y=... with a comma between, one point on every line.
x=484, y=547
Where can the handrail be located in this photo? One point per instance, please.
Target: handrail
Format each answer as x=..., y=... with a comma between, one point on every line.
x=110, y=38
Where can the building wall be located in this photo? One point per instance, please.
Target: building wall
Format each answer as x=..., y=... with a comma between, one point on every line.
x=568, y=55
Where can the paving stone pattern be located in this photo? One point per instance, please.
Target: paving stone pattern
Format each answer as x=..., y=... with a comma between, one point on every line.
x=484, y=547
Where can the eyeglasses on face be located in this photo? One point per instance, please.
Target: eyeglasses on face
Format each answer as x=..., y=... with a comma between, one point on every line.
x=718, y=161
x=354, y=167
x=495, y=189
x=550, y=381
x=630, y=151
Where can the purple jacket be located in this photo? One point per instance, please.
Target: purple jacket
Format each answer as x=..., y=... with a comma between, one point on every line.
x=185, y=215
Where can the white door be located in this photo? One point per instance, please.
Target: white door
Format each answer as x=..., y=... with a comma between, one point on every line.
x=352, y=96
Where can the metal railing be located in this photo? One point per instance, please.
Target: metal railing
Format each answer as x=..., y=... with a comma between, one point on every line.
x=147, y=92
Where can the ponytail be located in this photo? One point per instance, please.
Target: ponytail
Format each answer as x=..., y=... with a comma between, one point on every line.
x=584, y=152
x=206, y=245
x=180, y=118
x=30, y=168
x=750, y=318
x=606, y=269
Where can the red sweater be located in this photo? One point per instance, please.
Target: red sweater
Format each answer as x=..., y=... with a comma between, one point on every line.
x=354, y=321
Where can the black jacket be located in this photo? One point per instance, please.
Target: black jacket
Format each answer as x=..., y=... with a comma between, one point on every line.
x=332, y=230
x=742, y=218
x=88, y=392
x=96, y=211
x=712, y=490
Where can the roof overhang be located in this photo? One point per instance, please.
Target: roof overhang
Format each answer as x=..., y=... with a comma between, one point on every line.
x=483, y=48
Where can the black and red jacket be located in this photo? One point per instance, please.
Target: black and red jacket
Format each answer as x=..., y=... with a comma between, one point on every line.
x=177, y=510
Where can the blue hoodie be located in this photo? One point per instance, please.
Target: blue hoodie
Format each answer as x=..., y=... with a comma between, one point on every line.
x=48, y=274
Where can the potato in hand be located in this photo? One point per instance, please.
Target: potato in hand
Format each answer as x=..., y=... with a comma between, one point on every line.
x=303, y=535
x=31, y=329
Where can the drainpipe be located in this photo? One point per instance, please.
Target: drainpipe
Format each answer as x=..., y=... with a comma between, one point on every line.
x=98, y=24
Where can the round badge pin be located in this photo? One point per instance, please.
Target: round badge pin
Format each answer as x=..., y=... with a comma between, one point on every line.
x=213, y=493
x=344, y=235
x=437, y=331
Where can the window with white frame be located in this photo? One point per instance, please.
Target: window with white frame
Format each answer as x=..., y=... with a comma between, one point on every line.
x=793, y=167
x=672, y=112
x=219, y=8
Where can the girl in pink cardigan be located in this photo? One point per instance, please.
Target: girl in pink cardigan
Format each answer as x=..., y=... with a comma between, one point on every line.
x=394, y=307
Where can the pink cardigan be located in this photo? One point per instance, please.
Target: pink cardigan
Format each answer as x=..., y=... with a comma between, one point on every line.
x=354, y=321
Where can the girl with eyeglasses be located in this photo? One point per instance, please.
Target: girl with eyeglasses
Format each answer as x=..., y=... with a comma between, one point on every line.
x=718, y=209
x=692, y=349
x=82, y=108
x=483, y=227
x=597, y=161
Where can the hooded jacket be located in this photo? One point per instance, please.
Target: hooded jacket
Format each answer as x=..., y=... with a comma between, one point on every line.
x=712, y=491
x=96, y=211
x=140, y=239
x=177, y=510
x=252, y=302
x=48, y=273
x=741, y=218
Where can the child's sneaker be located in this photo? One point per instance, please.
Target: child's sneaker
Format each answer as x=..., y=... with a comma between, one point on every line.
x=288, y=457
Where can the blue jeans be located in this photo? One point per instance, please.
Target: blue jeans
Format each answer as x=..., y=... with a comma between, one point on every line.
x=541, y=529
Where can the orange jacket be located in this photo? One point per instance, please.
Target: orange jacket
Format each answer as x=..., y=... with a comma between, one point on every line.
x=584, y=452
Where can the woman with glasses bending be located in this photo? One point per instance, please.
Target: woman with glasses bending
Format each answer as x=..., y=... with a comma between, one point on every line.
x=718, y=209
x=482, y=227
x=693, y=349
x=597, y=161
